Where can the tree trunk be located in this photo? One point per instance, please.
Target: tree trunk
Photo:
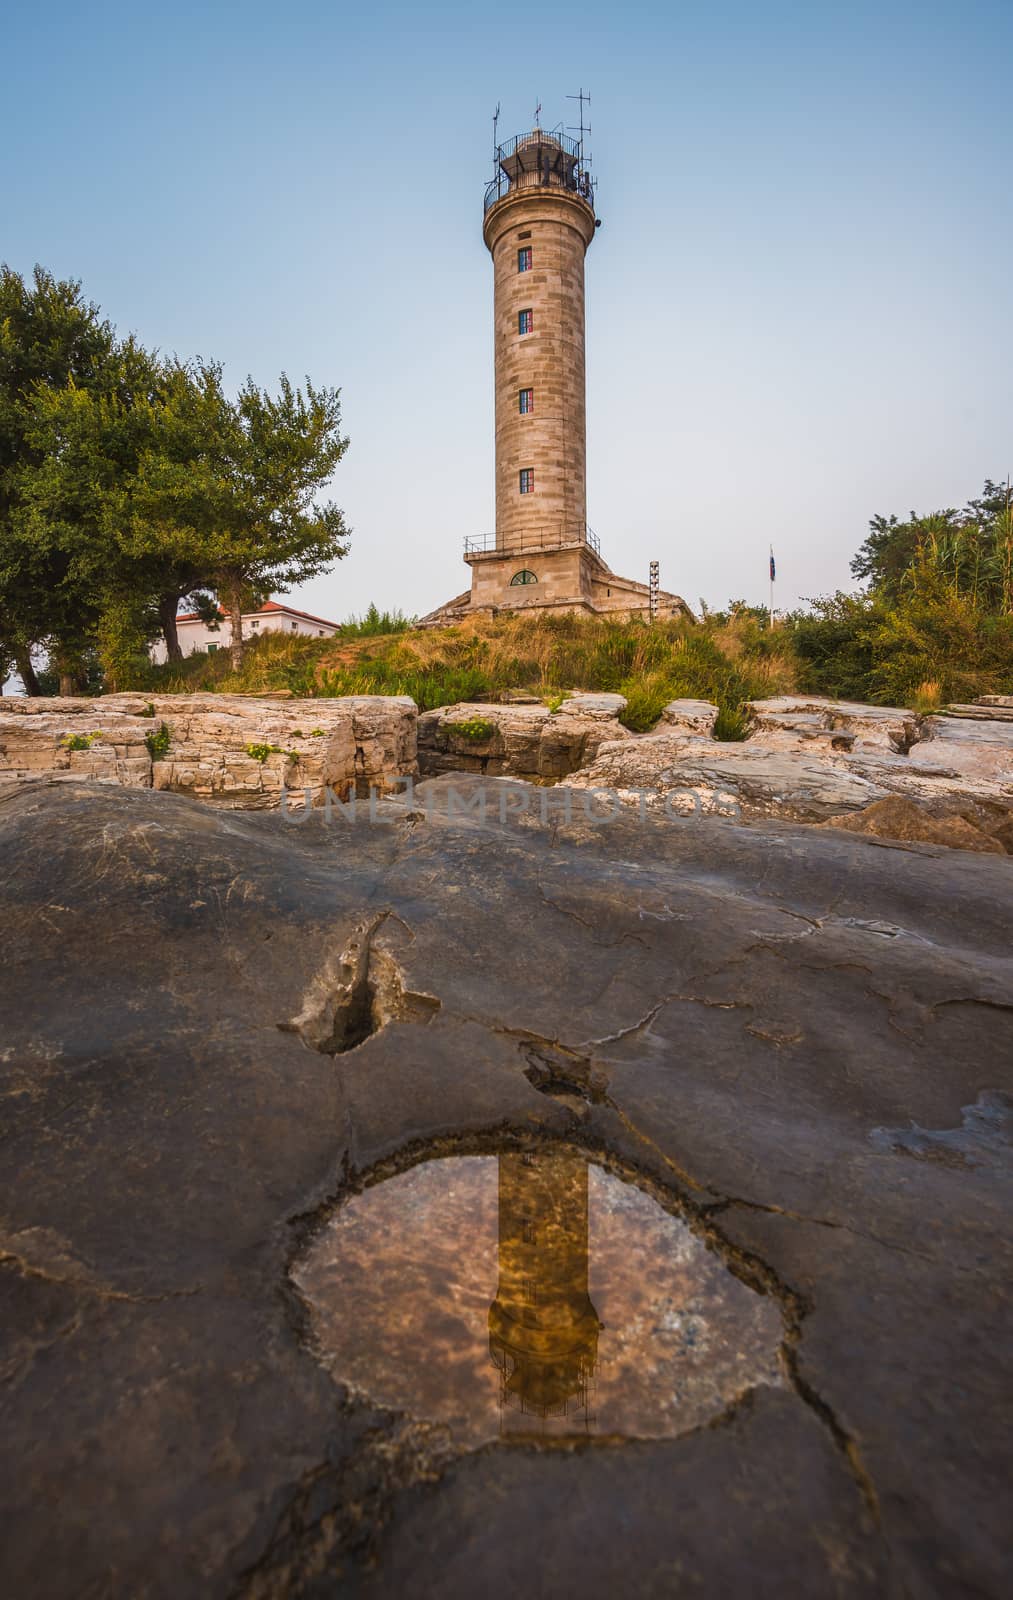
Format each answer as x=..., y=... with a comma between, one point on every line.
x=68, y=685
x=168, y=605
x=236, y=615
x=26, y=672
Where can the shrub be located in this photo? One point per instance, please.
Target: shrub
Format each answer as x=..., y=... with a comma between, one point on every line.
x=646, y=699
x=158, y=743
x=374, y=623
x=260, y=752
x=476, y=729
x=861, y=647
x=731, y=723
x=928, y=696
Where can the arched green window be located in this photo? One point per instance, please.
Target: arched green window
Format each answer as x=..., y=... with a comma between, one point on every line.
x=524, y=576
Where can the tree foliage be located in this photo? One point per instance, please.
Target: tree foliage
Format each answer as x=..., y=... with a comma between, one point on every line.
x=130, y=482
x=938, y=611
x=972, y=550
x=50, y=339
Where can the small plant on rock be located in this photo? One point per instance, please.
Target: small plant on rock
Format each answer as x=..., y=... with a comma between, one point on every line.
x=476, y=730
x=158, y=743
x=260, y=752
x=79, y=741
x=928, y=696
x=554, y=701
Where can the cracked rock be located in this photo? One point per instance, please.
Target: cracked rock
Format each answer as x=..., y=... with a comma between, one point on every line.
x=794, y=1039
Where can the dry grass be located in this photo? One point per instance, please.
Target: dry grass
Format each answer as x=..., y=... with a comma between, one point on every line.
x=727, y=662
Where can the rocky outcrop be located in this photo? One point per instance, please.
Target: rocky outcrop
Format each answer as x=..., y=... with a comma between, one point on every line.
x=899, y=818
x=805, y=759
x=794, y=721
x=527, y=740
x=794, y=1039
x=235, y=751
x=970, y=749
x=692, y=716
x=670, y=769
x=808, y=760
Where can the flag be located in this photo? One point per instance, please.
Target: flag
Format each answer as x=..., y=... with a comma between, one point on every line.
x=773, y=569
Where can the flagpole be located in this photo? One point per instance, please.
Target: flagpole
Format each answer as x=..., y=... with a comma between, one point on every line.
x=770, y=608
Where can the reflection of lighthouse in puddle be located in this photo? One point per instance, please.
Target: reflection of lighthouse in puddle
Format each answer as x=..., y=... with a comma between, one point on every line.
x=543, y=1329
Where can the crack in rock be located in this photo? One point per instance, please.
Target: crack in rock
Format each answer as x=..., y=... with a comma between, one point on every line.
x=356, y=993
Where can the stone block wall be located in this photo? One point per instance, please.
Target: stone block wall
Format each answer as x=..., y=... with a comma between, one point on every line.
x=234, y=751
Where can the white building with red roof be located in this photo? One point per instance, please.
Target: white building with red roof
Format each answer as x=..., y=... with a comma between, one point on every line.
x=196, y=635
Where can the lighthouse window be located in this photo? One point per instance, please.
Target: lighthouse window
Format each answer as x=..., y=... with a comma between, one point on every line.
x=524, y=576
x=527, y=401
x=527, y=480
x=525, y=321
x=524, y=259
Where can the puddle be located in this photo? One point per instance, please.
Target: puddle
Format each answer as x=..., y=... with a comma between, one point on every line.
x=504, y=1296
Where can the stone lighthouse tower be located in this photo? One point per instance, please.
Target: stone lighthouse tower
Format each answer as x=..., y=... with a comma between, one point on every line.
x=537, y=229
x=539, y=220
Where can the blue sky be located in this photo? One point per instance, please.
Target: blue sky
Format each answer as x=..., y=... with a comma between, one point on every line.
x=799, y=309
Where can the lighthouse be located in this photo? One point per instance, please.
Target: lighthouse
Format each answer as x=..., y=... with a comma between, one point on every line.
x=543, y=1328
x=539, y=220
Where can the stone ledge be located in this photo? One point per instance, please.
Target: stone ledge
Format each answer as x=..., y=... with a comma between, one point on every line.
x=348, y=744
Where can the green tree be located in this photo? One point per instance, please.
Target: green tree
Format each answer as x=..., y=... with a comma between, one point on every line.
x=148, y=485
x=893, y=546
x=234, y=485
x=970, y=550
x=49, y=336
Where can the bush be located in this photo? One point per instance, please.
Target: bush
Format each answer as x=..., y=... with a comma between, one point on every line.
x=158, y=743
x=646, y=699
x=476, y=730
x=375, y=623
x=860, y=647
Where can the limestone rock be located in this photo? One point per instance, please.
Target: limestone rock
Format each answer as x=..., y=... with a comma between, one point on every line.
x=519, y=740
x=988, y=707
x=981, y=751
x=236, y=751
x=807, y=759
x=692, y=716
x=796, y=1040
x=790, y=721
x=900, y=818
x=749, y=779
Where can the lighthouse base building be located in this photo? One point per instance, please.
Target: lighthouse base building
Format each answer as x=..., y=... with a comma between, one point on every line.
x=570, y=577
x=539, y=221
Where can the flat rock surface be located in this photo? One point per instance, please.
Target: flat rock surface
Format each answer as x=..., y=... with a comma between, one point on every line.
x=797, y=1039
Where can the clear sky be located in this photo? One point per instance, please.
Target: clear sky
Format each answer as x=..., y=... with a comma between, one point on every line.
x=799, y=307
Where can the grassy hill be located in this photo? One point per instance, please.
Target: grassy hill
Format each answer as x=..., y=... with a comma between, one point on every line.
x=729, y=658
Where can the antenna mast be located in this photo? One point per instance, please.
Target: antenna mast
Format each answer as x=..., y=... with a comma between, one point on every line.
x=583, y=99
